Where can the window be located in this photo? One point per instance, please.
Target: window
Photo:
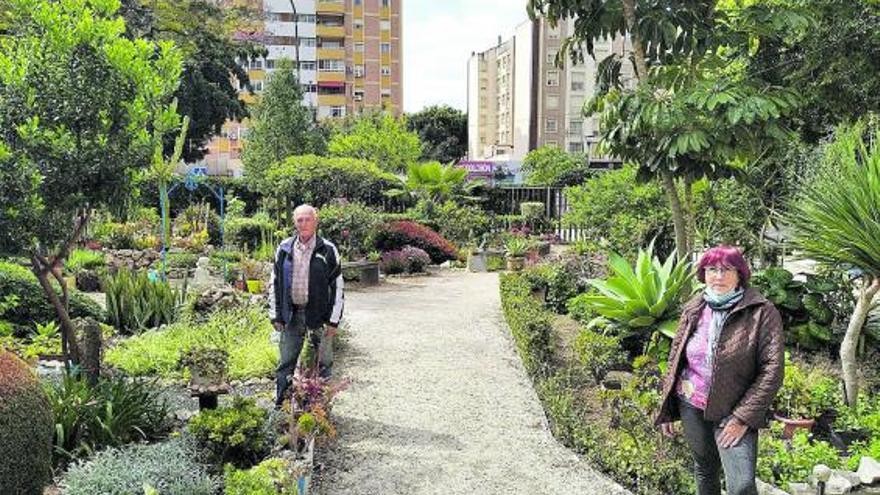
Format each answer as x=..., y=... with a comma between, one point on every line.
x=576, y=147
x=307, y=65
x=386, y=3
x=552, y=102
x=385, y=25
x=552, y=78
x=576, y=127
x=358, y=95
x=337, y=111
x=386, y=70
x=359, y=71
x=331, y=44
x=270, y=64
x=385, y=47
x=551, y=57
x=386, y=93
x=257, y=63
x=577, y=81
x=310, y=88
x=307, y=18
x=258, y=86
x=550, y=125
x=359, y=47
x=357, y=2
x=331, y=66
x=358, y=24
x=551, y=143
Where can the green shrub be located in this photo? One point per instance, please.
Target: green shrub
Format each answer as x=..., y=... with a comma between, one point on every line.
x=182, y=260
x=598, y=353
x=529, y=322
x=248, y=232
x=136, y=303
x=319, y=180
x=114, y=412
x=269, y=477
x=559, y=280
x=234, y=434
x=460, y=224
x=33, y=306
x=807, y=392
x=580, y=309
x=781, y=462
x=242, y=332
x=171, y=467
x=84, y=259
x=350, y=226
x=25, y=429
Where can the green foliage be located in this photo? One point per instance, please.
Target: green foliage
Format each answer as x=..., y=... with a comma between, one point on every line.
x=620, y=213
x=434, y=182
x=84, y=259
x=248, y=232
x=807, y=392
x=281, y=127
x=460, y=224
x=442, y=131
x=77, y=101
x=530, y=324
x=598, y=353
x=232, y=434
x=807, y=308
x=135, y=303
x=380, y=139
x=837, y=218
x=45, y=341
x=32, y=304
x=644, y=299
x=320, y=180
x=242, y=332
x=350, y=226
x=551, y=166
x=397, y=235
x=25, y=429
x=516, y=247
x=114, y=412
x=781, y=462
x=171, y=465
x=559, y=280
x=269, y=477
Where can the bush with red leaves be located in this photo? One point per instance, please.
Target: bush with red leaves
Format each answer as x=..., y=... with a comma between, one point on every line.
x=395, y=235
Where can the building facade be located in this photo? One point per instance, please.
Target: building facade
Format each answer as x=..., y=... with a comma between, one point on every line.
x=349, y=59
x=520, y=99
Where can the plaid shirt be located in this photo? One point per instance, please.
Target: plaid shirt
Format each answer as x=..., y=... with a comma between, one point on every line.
x=302, y=256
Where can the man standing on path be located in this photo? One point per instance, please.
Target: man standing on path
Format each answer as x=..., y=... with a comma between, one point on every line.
x=306, y=297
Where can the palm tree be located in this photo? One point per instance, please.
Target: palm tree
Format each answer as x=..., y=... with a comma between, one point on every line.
x=837, y=222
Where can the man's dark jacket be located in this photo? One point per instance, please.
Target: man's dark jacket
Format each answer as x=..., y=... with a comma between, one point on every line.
x=325, y=285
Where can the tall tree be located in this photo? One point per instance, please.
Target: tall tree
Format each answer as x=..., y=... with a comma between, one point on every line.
x=282, y=126
x=693, y=109
x=209, y=37
x=78, y=104
x=443, y=131
x=552, y=166
x=379, y=138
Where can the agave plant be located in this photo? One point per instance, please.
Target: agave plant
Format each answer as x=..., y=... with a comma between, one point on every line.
x=643, y=299
x=516, y=247
x=135, y=303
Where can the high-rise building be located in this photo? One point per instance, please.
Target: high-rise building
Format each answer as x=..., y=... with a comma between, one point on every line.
x=519, y=99
x=349, y=59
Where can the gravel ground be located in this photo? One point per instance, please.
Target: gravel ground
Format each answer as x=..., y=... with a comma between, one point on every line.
x=439, y=401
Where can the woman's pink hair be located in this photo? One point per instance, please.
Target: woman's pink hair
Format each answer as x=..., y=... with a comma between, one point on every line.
x=725, y=256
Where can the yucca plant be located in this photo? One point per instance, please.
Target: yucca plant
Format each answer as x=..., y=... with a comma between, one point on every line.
x=135, y=303
x=643, y=301
x=836, y=221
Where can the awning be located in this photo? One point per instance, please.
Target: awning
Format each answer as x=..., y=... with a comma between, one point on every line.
x=331, y=84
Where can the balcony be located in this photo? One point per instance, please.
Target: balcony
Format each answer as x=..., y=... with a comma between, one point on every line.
x=330, y=7
x=331, y=76
x=331, y=53
x=325, y=31
x=331, y=100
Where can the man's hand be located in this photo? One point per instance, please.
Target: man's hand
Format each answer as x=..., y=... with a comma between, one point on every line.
x=330, y=330
x=733, y=432
x=669, y=429
x=278, y=326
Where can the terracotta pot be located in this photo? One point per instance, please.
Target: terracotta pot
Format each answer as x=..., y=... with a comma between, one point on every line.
x=791, y=425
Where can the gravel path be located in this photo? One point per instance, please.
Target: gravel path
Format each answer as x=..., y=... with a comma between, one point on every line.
x=439, y=400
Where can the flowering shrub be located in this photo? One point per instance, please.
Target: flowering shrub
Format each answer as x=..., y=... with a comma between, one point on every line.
x=416, y=259
x=393, y=262
x=396, y=235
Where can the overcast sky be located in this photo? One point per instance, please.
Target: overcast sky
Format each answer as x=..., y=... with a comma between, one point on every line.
x=438, y=38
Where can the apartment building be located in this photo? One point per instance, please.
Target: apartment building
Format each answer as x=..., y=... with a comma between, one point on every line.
x=545, y=104
x=348, y=54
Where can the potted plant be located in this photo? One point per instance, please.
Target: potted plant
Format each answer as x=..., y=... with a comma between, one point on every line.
x=252, y=271
x=207, y=374
x=516, y=249
x=804, y=397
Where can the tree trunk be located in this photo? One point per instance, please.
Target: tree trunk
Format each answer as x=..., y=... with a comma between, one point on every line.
x=677, y=214
x=849, y=346
x=641, y=65
x=69, y=346
x=690, y=215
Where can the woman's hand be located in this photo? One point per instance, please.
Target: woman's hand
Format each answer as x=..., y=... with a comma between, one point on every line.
x=732, y=433
x=669, y=429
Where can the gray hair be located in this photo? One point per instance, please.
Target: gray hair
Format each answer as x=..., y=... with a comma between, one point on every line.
x=305, y=209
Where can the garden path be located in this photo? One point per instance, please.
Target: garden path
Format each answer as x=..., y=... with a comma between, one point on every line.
x=439, y=401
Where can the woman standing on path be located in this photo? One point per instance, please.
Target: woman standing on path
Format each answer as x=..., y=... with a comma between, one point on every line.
x=725, y=367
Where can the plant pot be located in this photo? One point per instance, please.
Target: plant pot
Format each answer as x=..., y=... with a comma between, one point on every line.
x=255, y=286
x=515, y=263
x=791, y=425
x=478, y=262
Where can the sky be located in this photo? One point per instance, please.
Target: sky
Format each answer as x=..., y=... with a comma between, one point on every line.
x=438, y=38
